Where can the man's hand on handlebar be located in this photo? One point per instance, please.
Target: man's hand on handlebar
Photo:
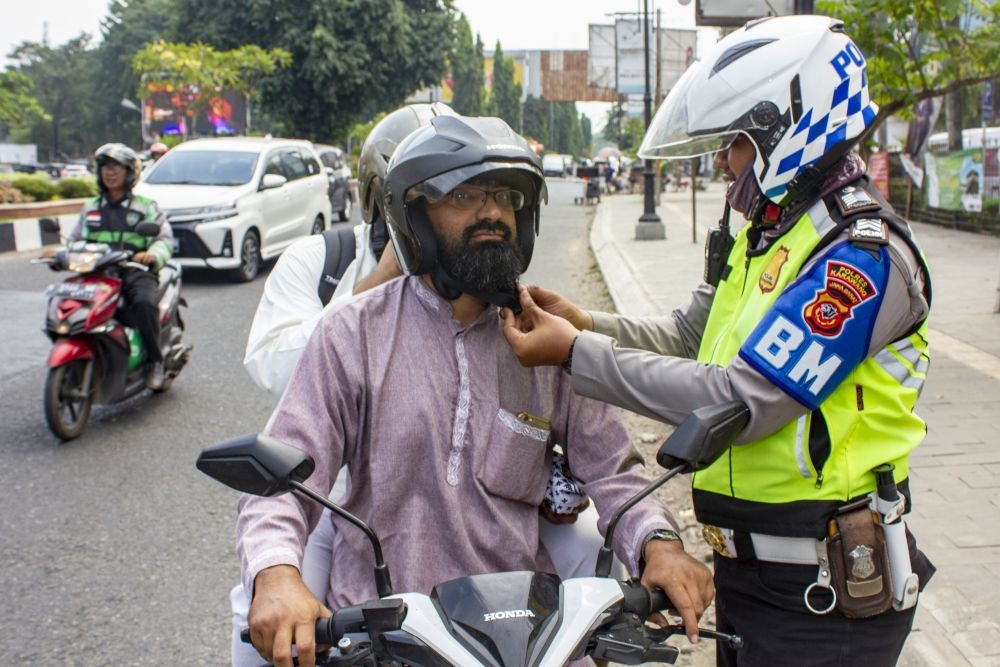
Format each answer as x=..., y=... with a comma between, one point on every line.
x=283, y=613
x=144, y=258
x=686, y=582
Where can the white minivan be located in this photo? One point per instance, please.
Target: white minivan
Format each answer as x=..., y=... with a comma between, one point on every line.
x=234, y=202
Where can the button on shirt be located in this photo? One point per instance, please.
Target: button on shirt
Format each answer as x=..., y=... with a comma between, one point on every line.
x=425, y=413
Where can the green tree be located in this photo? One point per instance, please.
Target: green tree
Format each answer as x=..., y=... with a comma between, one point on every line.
x=128, y=27
x=352, y=58
x=199, y=65
x=919, y=50
x=63, y=79
x=467, y=71
x=588, y=135
x=536, y=119
x=505, y=100
x=18, y=109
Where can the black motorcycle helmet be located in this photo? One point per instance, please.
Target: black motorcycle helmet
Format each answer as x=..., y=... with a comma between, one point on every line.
x=124, y=156
x=432, y=161
x=379, y=146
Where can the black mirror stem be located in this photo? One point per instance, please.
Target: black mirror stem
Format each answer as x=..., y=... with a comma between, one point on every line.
x=383, y=582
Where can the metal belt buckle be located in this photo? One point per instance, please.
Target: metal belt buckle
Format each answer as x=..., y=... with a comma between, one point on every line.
x=715, y=539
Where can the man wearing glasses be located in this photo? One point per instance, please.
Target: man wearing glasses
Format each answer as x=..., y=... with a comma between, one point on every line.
x=446, y=436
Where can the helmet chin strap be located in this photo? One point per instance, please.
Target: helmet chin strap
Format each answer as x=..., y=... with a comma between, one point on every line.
x=451, y=288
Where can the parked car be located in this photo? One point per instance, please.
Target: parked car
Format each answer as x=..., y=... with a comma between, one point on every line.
x=341, y=194
x=235, y=202
x=74, y=171
x=556, y=164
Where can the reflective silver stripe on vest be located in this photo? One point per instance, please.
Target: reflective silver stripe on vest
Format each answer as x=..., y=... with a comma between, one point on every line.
x=800, y=450
x=820, y=218
x=898, y=370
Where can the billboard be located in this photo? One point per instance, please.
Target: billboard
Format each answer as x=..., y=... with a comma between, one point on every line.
x=170, y=109
x=616, y=56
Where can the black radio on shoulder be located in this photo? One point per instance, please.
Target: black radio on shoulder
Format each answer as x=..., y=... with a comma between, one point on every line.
x=717, y=248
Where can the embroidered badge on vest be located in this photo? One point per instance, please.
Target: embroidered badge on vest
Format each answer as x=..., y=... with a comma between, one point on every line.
x=851, y=200
x=769, y=278
x=133, y=218
x=869, y=230
x=93, y=219
x=846, y=287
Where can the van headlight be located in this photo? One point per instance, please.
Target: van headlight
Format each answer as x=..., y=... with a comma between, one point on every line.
x=213, y=213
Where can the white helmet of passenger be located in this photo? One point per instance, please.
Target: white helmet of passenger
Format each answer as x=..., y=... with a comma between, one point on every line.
x=795, y=86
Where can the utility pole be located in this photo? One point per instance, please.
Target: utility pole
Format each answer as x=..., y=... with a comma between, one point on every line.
x=659, y=63
x=650, y=227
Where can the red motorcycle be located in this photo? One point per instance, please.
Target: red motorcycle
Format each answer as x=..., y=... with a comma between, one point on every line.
x=94, y=357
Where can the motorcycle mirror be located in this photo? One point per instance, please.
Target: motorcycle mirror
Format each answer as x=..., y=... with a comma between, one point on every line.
x=147, y=228
x=50, y=225
x=704, y=436
x=256, y=464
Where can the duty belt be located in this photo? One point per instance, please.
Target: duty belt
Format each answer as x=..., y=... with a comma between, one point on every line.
x=770, y=548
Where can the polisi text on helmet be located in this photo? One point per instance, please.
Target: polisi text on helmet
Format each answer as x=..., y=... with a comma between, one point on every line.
x=849, y=54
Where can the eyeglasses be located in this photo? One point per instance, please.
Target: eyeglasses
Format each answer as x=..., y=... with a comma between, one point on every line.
x=472, y=199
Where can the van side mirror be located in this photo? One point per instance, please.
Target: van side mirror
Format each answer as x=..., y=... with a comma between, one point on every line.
x=256, y=464
x=271, y=181
x=704, y=436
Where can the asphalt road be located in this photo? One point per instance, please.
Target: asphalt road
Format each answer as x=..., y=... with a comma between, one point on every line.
x=113, y=548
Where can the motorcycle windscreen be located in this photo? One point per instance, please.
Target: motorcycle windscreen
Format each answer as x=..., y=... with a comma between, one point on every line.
x=505, y=619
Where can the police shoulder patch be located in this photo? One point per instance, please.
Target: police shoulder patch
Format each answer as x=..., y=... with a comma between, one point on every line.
x=869, y=230
x=819, y=328
x=852, y=199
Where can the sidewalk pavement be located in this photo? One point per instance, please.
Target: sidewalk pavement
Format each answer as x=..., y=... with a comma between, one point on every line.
x=955, y=473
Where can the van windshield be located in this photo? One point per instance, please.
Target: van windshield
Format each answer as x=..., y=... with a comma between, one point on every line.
x=203, y=168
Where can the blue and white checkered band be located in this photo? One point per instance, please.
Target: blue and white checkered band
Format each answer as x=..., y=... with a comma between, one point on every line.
x=813, y=136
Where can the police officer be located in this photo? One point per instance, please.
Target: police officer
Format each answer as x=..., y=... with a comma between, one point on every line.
x=813, y=316
x=111, y=218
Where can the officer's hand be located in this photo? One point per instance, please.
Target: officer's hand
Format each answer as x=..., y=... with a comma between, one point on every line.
x=386, y=269
x=537, y=338
x=550, y=515
x=560, y=306
x=283, y=613
x=144, y=258
x=686, y=582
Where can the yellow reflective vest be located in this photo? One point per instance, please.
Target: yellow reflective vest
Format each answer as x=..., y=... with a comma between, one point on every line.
x=790, y=482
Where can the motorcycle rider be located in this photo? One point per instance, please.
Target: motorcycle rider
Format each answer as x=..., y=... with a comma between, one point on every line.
x=288, y=312
x=111, y=218
x=422, y=408
x=157, y=150
x=814, y=316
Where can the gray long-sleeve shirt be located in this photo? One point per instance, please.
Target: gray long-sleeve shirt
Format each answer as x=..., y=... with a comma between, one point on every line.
x=425, y=413
x=647, y=364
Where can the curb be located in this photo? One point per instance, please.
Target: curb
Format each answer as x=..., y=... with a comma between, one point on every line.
x=25, y=232
x=628, y=294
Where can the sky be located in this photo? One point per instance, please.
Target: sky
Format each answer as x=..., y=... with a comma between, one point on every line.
x=518, y=24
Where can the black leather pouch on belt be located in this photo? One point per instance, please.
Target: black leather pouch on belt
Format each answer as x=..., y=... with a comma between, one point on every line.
x=859, y=562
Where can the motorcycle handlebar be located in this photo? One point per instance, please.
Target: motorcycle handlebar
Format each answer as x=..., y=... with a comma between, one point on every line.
x=643, y=601
x=326, y=632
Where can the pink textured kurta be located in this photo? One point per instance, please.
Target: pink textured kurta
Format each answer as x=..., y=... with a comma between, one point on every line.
x=424, y=412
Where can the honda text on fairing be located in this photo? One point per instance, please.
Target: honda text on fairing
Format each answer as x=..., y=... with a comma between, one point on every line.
x=95, y=358
x=505, y=619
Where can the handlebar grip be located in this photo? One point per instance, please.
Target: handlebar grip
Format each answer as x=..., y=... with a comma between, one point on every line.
x=325, y=633
x=643, y=601
x=658, y=600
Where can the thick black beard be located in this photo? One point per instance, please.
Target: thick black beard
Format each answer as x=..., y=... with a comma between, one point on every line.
x=483, y=266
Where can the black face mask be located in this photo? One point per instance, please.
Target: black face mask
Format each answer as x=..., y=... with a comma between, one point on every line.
x=482, y=267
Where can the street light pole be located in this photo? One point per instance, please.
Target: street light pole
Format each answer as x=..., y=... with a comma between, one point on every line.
x=650, y=226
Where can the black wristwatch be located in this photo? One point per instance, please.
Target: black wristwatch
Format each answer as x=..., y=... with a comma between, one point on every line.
x=568, y=364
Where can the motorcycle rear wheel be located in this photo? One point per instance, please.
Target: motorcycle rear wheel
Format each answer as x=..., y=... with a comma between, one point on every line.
x=67, y=401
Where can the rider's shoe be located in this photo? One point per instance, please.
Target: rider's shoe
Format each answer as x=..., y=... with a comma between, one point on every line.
x=154, y=376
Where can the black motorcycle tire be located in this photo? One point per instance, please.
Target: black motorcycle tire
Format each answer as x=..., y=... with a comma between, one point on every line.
x=60, y=381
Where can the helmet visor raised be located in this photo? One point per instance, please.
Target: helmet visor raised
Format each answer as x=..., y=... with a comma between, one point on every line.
x=688, y=125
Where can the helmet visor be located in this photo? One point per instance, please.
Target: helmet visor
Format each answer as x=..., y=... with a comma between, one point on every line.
x=522, y=177
x=686, y=124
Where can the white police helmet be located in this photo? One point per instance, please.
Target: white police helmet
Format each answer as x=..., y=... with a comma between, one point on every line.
x=795, y=86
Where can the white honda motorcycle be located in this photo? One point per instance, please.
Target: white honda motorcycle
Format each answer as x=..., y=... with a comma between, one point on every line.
x=506, y=619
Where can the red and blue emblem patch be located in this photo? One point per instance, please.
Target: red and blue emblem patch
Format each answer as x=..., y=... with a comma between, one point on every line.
x=846, y=287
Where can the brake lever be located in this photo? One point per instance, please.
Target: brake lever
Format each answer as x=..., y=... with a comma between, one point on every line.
x=662, y=634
